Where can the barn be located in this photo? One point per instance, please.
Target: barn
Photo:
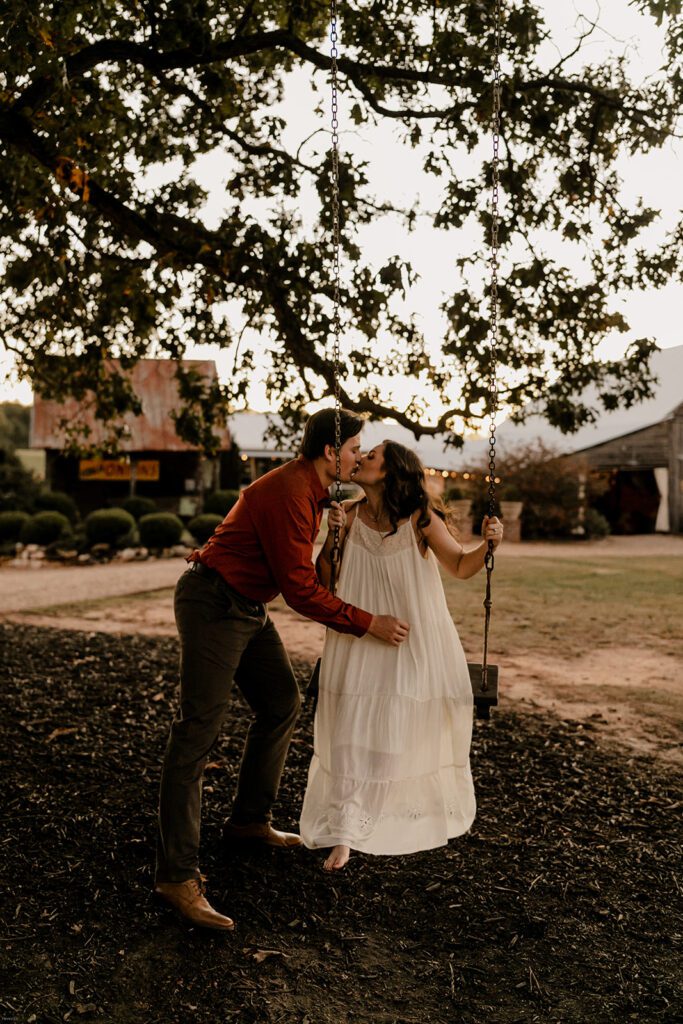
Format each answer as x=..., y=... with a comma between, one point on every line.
x=154, y=462
x=636, y=451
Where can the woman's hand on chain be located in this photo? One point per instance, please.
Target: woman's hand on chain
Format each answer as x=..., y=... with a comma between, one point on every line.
x=492, y=529
x=336, y=516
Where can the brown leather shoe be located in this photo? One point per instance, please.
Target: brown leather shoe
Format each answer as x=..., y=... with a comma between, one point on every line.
x=188, y=899
x=260, y=832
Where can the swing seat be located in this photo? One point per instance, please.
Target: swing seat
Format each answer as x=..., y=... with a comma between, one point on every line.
x=484, y=699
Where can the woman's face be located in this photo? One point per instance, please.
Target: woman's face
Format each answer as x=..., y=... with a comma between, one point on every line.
x=371, y=470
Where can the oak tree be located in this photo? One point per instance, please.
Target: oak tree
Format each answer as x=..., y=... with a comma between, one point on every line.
x=108, y=109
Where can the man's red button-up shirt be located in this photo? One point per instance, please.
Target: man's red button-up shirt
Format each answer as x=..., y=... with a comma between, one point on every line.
x=264, y=546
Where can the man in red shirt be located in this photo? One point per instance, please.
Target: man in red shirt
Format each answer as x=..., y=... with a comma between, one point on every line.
x=263, y=547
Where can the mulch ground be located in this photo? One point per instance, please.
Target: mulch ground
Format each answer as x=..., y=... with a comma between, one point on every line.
x=560, y=905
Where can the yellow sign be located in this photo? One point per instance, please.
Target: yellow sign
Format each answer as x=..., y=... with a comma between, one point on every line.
x=117, y=469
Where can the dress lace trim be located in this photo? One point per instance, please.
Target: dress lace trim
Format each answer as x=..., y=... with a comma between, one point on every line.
x=381, y=544
x=354, y=823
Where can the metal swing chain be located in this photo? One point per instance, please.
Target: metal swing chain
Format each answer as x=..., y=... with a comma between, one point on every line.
x=336, y=281
x=489, y=559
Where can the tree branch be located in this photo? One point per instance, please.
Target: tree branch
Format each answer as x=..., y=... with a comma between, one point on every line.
x=113, y=50
x=253, y=148
x=609, y=99
x=118, y=50
x=162, y=233
x=164, y=238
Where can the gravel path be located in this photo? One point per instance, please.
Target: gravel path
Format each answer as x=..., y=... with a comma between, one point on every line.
x=48, y=585
x=22, y=589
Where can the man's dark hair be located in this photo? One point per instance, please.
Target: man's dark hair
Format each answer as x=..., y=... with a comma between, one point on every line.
x=319, y=431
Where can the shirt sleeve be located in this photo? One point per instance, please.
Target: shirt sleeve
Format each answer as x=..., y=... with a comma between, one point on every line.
x=287, y=545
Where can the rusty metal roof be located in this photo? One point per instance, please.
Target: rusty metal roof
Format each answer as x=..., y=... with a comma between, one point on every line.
x=154, y=383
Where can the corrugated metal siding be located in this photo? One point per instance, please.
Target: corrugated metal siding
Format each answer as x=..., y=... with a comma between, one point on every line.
x=155, y=384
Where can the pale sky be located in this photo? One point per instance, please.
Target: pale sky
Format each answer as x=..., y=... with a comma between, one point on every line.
x=655, y=177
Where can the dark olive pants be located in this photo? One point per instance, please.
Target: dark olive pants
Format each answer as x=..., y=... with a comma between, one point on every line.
x=222, y=638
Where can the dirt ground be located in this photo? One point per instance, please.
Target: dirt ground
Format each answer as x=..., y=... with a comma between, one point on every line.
x=560, y=906
x=566, y=688
x=590, y=689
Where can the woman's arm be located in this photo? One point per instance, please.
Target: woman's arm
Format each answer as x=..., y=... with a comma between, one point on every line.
x=451, y=554
x=323, y=564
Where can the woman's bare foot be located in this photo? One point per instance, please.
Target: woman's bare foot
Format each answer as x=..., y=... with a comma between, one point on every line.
x=337, y=858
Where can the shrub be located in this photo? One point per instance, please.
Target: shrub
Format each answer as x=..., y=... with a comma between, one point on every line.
x=160, y=530
x=546, y=481
x=455, y=494
x=44, y=527
x=220, y=502
x=60, y=547
x=108, y=525
x=139, y=507
x=11, y=525
x=18, y=487
x=201, y=527
x=80, y=539
x=128, y=540
x=595, y=524
x=57, y=501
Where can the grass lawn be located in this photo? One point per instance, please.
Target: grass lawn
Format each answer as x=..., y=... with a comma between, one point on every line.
x=562, y=608
x=544, y=606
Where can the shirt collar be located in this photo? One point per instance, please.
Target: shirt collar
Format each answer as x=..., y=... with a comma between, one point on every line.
x=320, y=493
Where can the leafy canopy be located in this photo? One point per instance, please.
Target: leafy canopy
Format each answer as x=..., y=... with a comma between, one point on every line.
x=108, y=108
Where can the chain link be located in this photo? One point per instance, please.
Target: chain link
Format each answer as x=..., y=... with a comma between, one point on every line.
x=493, y=295
x=336, y=275
x=494, y=336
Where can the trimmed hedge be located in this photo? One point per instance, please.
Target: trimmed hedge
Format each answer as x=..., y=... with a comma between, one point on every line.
x=11, y=525
x=595, y=524
x=220, y=502
x=139, y=507
x=202, y=527
x=160, y=530
x=57, y=501
x=44, y=527
x=108, y=525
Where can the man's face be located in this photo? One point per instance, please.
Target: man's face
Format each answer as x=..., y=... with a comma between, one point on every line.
x=350, y=458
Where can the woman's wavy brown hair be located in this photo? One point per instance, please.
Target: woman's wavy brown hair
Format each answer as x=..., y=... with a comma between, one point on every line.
x=405, y=491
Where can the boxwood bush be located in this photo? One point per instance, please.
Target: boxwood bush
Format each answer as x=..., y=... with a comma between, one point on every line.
x=160, y=530
x=18, y=487
x=220, y=502
x=57, y=501
x=44, y=527
x=595, y=524
x=201, y=527
x=139, y=507
x=11, y=525
x=108, y=525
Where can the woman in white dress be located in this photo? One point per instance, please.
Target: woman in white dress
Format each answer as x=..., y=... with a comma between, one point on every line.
x=390, y=772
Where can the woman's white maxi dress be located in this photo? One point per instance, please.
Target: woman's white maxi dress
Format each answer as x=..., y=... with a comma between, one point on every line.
x=390, y=772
